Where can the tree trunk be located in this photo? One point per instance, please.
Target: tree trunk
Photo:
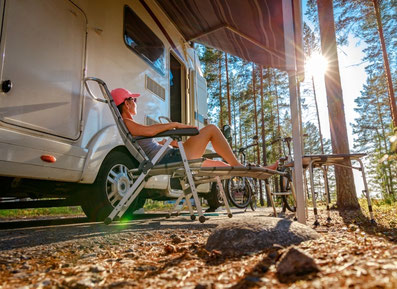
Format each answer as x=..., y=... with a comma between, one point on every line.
x=320, y=136
x=318, y=117
x=258, y=152
x=278, y=112
x=346, y=191
x=264, y=149
x=392, y=99
x=220, y=94
x=229, y=112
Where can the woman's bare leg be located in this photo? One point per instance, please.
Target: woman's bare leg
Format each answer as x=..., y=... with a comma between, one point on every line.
x=195, y=145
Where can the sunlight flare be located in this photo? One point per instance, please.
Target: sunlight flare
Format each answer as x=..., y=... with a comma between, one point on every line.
x=317, y=65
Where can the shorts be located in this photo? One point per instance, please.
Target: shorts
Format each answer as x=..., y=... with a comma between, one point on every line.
x=172, y=156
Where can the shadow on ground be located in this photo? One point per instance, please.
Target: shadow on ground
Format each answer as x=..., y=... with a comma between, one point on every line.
x=357, y=217
x=63, y=231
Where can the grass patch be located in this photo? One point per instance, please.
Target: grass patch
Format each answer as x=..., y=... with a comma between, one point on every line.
x=151, y=205
x=35, y=212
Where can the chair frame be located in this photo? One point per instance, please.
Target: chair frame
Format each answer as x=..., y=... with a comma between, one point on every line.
x=189, y=172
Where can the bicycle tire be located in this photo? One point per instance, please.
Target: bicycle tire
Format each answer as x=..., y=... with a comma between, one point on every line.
x=288, y=200
x=238, y=193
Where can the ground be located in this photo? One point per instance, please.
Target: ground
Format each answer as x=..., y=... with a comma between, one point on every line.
x=169, y=253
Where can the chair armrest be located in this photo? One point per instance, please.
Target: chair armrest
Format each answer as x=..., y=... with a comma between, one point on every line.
x=172, y=133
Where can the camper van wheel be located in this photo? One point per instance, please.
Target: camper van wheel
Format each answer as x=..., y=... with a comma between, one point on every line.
x=192, y=217
x=202, y=219
x=110, y=186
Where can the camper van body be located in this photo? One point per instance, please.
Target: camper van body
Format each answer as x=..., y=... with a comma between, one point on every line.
x=50, y=128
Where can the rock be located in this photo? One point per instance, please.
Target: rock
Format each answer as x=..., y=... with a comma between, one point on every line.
x=253, y=235
x=295, y=264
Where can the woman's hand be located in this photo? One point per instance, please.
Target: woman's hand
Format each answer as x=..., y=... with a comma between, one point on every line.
x=178, y=125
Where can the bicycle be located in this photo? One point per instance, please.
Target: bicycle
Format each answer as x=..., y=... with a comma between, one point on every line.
x=284, y=165
x=241, y=191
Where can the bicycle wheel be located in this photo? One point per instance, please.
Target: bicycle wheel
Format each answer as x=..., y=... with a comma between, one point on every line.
x=289, y=202
x=238, y=191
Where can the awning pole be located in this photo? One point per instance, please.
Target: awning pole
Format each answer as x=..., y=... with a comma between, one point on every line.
x=297, y=147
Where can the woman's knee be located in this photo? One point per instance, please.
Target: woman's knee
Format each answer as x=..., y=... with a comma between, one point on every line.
x=211, y=128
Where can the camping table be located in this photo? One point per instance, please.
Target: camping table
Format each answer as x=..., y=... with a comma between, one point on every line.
x=324, y=161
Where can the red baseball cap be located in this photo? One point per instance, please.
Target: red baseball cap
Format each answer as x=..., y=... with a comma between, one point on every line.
x=120, y=95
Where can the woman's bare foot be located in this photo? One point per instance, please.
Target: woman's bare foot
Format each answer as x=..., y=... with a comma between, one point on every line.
x=272, y=166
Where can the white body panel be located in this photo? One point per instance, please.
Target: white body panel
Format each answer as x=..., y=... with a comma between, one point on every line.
x=47, y=112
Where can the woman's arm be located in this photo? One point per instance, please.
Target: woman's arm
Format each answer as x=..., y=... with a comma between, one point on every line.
x=137, y=129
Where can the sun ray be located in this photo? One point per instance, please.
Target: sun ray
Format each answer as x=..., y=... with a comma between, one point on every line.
x=317, y=65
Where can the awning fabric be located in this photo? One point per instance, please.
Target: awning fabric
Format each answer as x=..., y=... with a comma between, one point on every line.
x=258, y=31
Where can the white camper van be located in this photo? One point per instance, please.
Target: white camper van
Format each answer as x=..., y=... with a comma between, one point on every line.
x=57, y=141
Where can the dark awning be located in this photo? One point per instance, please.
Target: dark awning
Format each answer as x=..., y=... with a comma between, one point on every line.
x=260, y=31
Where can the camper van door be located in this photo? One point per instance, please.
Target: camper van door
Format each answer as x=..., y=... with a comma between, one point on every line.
x=42, y=56
x=199, y=92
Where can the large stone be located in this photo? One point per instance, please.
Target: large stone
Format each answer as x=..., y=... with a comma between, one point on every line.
x=294, y=265
x=253, y=235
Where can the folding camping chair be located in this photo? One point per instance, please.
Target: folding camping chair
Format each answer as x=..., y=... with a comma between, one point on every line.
x=190, y=173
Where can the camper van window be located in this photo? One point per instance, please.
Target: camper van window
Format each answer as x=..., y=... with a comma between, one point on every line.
x=140, y=39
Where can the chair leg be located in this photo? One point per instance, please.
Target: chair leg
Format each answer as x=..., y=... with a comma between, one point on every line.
x=222, y=191
x=128, y=198
x=306, y=192
x=190, y=207
x=326, y=193
x=316, y=222
x=187, y=195
x=174, y=208
x=191, y=182
x=367, y=192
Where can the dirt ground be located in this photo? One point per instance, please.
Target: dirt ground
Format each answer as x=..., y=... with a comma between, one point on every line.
x=169, y=253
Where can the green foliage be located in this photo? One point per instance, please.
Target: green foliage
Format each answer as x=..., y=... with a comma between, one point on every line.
x=152, y=205
x=15, y=213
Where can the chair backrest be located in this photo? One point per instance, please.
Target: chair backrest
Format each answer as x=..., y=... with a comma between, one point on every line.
x=129, y=141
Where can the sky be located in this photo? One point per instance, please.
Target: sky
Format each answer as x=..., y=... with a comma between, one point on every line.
x=353, y=76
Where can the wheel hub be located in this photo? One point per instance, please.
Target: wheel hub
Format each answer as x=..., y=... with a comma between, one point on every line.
x=123, y=184
x=117, y=184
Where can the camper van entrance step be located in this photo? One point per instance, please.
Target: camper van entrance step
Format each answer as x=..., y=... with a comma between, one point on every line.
x=15, y=204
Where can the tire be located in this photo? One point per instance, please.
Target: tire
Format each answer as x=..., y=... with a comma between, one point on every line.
x=288, y=200
x=103, y=195
x=239, y=191
x=214, y=198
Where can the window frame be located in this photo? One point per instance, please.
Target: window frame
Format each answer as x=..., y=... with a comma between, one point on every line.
x=137, y=52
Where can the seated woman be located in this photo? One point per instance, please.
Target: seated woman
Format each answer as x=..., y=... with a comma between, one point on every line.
x=194, y=146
